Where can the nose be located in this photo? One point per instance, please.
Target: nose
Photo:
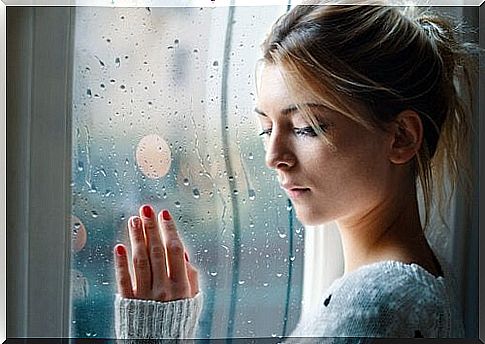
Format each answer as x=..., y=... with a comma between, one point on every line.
x=279, y=152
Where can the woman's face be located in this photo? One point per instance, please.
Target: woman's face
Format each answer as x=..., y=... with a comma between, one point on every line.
x=325, y=183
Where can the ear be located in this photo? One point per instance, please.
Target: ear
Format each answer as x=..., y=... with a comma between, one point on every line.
x=407, y=135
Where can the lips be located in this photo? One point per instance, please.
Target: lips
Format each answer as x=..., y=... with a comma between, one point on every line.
x=295, y=191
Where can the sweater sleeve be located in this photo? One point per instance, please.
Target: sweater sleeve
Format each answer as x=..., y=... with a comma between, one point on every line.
x=142, y=319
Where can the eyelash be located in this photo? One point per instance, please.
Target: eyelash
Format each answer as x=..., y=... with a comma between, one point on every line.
x=306, y=131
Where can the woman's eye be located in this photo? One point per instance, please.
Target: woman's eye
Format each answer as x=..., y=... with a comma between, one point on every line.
x=308, y=131
x=265, y=132
x=305, y=131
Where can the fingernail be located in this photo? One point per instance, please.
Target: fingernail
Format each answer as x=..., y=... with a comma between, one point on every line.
x=187, y=256
x=120, y=250
x=166, y=215
x=147, y=211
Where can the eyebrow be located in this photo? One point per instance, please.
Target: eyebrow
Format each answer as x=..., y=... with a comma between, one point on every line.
x=292, y=108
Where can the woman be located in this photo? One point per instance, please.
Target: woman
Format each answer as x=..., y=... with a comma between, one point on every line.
x=357, y=105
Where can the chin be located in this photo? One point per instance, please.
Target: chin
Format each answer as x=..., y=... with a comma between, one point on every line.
x=311, y=219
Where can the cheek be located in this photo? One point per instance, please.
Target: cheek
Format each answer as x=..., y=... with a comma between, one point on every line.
x=353, y=175
x=364, y=173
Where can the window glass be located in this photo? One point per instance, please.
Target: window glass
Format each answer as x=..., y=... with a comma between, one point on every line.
x=163, y=114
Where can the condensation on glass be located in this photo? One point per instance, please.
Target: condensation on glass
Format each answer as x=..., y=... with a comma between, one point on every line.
x=163, y=114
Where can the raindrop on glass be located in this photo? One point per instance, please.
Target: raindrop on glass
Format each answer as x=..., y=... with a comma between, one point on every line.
x=93, y=188
x=177, y=204
x=186, y=181
x=196, y=193
x=94, y=214
x=100, y=61
x=251, y=194
x=117, y=62
x=80, y=166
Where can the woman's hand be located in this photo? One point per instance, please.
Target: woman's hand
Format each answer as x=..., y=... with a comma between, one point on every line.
x=161, y=267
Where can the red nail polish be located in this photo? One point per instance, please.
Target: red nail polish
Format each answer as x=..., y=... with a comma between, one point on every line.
x=187, y=256
x=147, y=211
x=120, y=250
x=166, y=215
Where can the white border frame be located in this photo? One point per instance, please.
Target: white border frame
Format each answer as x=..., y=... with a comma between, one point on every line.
x=107, y=3
x=224, y=3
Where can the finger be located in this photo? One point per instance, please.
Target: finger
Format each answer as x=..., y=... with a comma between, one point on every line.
x=193, y=276
x=155, y=248
x=123, y=279
x=175, y=252
x=141, y=261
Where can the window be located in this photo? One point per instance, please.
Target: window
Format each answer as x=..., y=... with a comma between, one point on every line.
x=163, y=104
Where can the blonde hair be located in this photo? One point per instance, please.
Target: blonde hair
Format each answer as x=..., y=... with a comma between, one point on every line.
x=370, y=63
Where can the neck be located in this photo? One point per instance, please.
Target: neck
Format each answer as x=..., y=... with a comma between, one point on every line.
x=390, y=230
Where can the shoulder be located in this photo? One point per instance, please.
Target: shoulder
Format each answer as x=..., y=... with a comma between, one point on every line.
x=390, y=282
x=388, y=299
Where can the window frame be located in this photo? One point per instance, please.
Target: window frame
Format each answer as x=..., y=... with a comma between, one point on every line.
x=38, y=170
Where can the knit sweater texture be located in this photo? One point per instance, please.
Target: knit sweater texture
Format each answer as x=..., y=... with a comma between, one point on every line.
x=383, y=299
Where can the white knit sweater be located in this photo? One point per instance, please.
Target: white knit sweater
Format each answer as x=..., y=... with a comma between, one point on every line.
x=384, y=299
